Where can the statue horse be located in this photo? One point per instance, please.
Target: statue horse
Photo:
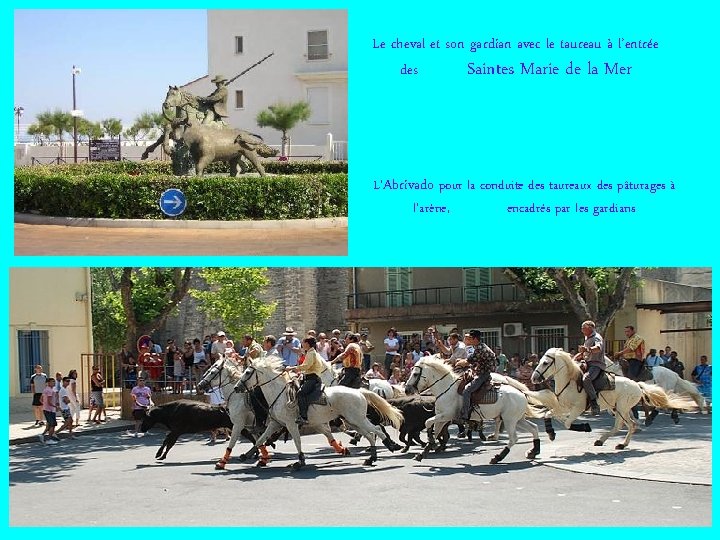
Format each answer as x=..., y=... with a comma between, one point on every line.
x=270, y=375
x=439, y=379
x=211, y=142
x=572, y=400
x=669, y=381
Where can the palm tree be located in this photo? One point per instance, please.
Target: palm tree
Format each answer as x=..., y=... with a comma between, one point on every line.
x=284, y=117
x=54, y=122
x=112, y=126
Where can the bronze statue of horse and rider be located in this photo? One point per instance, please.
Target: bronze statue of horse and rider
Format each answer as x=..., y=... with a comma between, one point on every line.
x=197, y=124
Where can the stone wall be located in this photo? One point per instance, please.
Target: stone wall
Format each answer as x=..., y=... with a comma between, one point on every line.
x=307, y=298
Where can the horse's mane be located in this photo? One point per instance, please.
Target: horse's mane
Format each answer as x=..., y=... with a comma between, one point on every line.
x=271, y=362
x=436, y=364
x=566, y=358
x=232, y=367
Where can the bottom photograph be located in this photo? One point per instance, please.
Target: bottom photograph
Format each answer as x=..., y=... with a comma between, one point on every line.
x=360, y=396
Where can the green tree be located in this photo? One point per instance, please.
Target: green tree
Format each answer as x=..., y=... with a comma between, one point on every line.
x=50, y=123
x=41, y=133
x=108, y=315
x=130, y=302
x=233, y=299
x=145, y=126
x=112, y=127
x=284, y=117
x=595, y=294
x=91, y=130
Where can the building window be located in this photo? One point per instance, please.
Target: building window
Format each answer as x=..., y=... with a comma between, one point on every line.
x=318, y=48
x=399, y=285
x=318, y=98
x=490, y=336
x=238, y=44
x=32, y=350
x=239, y=99
x=477, y=285
x=546, y=337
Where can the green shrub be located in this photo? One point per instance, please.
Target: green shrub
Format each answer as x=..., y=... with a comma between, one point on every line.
x=106, y=193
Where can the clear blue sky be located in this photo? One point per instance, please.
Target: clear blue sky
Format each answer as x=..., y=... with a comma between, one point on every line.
x=127, y=57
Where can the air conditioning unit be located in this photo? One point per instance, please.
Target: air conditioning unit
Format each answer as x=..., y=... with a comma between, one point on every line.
x=512, y=329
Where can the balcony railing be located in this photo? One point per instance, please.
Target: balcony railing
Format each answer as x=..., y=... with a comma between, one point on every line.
x=503, y=292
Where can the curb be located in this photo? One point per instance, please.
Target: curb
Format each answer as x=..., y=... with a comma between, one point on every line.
x=104, y=429
x=599, y=471
x=315, y=223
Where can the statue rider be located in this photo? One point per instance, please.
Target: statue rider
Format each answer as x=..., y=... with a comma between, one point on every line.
x=592, y=352
x=216, y=102
x=482, y=362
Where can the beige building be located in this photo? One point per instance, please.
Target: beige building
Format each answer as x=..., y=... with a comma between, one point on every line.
x=50, y=322
x=310, y=63
x=669, y=306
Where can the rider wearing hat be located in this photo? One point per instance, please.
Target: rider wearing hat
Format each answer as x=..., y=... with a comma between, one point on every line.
x=592, y=352
x=216, y=102
x=482, y=362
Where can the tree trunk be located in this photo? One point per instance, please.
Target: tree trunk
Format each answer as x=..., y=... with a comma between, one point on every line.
x=181, y=281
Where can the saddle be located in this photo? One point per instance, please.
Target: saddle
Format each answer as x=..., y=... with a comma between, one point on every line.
x=604, y=381
x=318, y=397
x=487, y=394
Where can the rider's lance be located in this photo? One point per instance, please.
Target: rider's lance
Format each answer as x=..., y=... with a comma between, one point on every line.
x=251, y=67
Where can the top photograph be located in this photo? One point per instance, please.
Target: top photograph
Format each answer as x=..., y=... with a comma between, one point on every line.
x=181, y=132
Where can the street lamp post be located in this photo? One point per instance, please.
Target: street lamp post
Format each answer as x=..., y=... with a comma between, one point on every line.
x=75, y=114
x=18, y=113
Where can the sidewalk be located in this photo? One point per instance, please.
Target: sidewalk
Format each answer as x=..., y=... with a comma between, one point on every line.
x=663, y=452
x=23, y=429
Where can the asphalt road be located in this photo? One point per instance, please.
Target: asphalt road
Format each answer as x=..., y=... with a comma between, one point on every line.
x=111, y=479
x=64, y=240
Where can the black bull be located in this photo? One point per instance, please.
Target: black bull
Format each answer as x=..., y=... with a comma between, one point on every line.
x=184, y=416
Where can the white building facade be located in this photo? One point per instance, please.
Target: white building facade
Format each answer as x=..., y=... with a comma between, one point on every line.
x=310, y=63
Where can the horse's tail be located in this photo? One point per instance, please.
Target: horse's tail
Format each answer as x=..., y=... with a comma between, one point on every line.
x=657, y=397
x=512, y=382
x=543, y=398
x=388, y=413
x=686, y=387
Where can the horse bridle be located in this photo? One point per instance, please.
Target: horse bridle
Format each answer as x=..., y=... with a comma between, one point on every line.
x=420, y=376
x=258, y=384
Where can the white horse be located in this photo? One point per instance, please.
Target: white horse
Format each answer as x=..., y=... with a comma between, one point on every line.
x=572, y=401
x=669, y=381
x=269, y=374
x=384, y=389
x=226, y=374
x=438, y=378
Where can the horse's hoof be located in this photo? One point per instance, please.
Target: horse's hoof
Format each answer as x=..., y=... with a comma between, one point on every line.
x=598, y=443
x=676, y=420
x=296, y=466
x=531, y=454
x=404, y=450
x=395, y=447
x=243, y=458
x=495, y=460
x=261, y=463
x=620, y=446
x=346, y=452
x=648, y=421
x=551, y=435
x=419, y=457
x=368, y=462
x=220, y=465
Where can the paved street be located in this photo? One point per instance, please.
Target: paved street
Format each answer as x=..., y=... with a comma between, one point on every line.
x=63, y=240
x=455, y=488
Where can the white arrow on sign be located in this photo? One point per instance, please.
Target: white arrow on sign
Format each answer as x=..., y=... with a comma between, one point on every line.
x=176, y=201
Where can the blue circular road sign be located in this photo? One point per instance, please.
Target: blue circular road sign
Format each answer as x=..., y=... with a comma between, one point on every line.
x=173, y=202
